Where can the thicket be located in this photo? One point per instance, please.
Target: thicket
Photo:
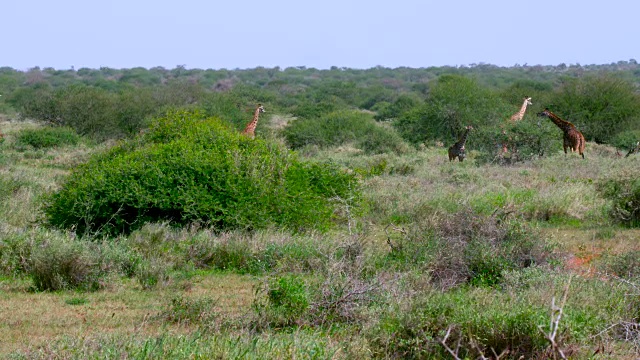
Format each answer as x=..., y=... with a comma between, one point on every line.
x=344, y=127
x=601, y=106
x=188, y=169
x=46, y=137
x=431, y=105
x=455, y=102
x=624, y=195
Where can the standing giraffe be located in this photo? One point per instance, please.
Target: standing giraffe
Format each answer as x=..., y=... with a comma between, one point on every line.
x=572, y=137
x=457, y=149
x=251, y=127
x=520, y=114
x=516, y=117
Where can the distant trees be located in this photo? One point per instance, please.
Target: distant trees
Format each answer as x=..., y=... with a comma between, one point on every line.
x=424, y=105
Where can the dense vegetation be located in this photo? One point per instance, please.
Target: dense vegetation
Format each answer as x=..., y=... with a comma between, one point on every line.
x=425, y=105
x=190, y=169
x=137, y=221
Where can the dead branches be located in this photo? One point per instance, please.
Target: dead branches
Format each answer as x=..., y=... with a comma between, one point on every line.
x=554, y=324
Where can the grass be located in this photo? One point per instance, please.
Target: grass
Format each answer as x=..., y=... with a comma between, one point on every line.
x=193, y=291
x=32, y=320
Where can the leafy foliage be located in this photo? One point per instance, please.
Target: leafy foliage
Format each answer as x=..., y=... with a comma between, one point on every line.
x=624, y=193
x=46, y=137
x=286, y=301
x=194, y=169
x=600, y=106
x=453, y=103
x=344, y=127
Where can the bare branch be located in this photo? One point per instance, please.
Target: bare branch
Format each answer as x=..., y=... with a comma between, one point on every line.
x=443, y=342
x=556, y=315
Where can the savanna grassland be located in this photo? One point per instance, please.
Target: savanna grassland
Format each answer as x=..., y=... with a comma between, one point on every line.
x=137, y=222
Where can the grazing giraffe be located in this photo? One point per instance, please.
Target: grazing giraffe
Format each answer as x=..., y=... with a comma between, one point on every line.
x=572, y=137
x=457, y=149
x=251, y=127
x=520, y=114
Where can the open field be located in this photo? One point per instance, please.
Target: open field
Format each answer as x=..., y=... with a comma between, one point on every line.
x=435, y=248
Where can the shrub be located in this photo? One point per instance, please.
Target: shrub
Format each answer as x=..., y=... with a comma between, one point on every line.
x=599, y=105
x=389, y=111
x=624, y=194
x=151, y=272
x=525, y=140
x=191, y=169
x=285, y=301
x=626, y=140
x=66, y=264
x=188, y=311
x=469, y=248
x=343, y=127
x=476, y=326
x=625, y=265
x=46, y=137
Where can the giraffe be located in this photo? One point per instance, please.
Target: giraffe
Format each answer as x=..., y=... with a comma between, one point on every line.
x=251, y=127
x=520, y=114
x=515, y=117
x=572, y=137
x=457, y=149
x=633, y=150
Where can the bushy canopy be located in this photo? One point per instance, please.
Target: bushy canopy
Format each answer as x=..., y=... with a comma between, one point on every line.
x=189, y=168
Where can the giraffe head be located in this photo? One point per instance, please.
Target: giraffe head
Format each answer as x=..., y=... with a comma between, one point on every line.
x=544, y=112
x=260, y=108
x=527, y=100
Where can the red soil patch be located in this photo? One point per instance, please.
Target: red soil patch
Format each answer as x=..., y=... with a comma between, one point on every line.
x=581, y=264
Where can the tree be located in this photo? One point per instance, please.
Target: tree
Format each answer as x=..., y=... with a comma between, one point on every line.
x=601, y=106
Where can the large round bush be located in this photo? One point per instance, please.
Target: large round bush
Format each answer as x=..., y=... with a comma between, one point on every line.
x=189, y=168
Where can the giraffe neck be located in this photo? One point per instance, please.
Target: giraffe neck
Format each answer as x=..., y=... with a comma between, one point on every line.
x=520, y=114
x=251, y=127
x=562, y=124
x=523, y=109
x=463, y=139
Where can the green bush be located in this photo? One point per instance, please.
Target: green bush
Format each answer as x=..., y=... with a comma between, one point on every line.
x=193, y=169
x=285, y=301
x=624, y=194
x=525, y=140
x=46, y=137
x=453, y=103
x=626, y=140
x=494, y=323
x=343, y=127
x=599, y=105
x=625, y=265
x=390, y=111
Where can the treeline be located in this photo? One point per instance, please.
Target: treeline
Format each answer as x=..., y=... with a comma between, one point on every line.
x=423, y=105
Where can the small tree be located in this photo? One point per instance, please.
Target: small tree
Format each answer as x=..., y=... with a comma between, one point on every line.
x=601, y=106
x=453, y=103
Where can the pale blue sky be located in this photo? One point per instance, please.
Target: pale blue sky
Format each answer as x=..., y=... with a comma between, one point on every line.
x=355, y=34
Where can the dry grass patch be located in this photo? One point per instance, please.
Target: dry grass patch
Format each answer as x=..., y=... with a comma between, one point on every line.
x=30, y=320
